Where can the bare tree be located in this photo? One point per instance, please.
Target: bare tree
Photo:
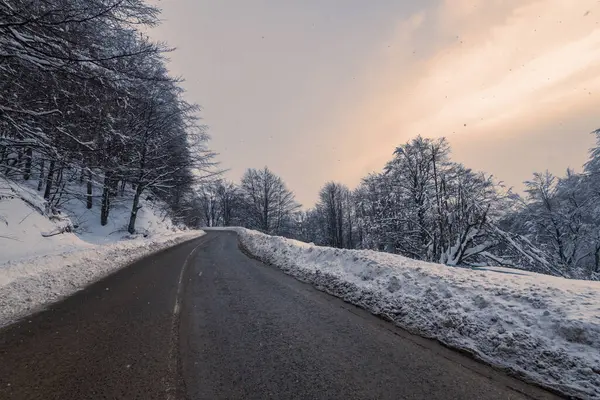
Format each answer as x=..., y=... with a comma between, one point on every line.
x=85, y=96
x=270, y=203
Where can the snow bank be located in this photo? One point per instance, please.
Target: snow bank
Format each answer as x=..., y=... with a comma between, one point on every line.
x=27, y=230
x=39, y=265
x=543, y=328
x=21, y=229
x=150, y=221
x=25, y=286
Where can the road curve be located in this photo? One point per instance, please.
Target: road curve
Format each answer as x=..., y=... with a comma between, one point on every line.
x=227, y=327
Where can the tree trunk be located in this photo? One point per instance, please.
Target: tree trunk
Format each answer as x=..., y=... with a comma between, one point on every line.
x=340, y=223
x=89, y=189
x=114, y=187
x=437, y=245
x=134, y=209
x=106, y=194
x=597, y=260
x=41, y=177
x=3, y=155
x=350, y=238
x=17, y=166
x=49, y=179
x=28, y=159
x=62, y=191
x=266, y=216
x=59, y=186
x=225, y=209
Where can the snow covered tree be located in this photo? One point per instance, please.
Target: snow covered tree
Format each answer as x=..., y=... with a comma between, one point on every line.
x=557, y=226
x=332, y=212
x=561, y=217
x=336, y=216
x=230, y=202
x=85, y=96
x=270, y=205
x=425, y=206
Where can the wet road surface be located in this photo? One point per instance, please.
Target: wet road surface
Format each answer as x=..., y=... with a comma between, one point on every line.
x=201, y=320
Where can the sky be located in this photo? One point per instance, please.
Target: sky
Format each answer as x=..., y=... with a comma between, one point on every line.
x=321, y=90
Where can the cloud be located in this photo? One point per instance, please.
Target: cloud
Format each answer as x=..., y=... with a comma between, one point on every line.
x=476, y=67
x=321, y=92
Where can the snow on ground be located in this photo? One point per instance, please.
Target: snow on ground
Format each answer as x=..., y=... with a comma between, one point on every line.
x=21, y=229
x=150, y=219
x=23, y=221
x=27, y=286
x=543, y=328
x=36, y=269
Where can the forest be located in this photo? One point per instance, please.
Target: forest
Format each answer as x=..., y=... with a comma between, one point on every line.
x=425, y=206
x=86, y=100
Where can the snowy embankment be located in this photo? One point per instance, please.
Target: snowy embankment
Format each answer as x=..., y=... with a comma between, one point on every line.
x=542, y=328
x=28, y=285
x=41, y=263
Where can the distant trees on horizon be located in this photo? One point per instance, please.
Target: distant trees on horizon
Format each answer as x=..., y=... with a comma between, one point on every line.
x=86, y=101
x=425, y=206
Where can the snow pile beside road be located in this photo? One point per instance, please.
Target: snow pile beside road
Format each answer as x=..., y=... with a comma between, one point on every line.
x=28, y=229
x=543, y=328
x=25, y=286
x=45, y=255
x=25, y=231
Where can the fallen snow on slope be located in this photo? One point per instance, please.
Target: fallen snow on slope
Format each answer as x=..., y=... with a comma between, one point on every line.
x=28, y=285
x=38, y=265
x=27, y=229
x=21, y=228
x=544, y=328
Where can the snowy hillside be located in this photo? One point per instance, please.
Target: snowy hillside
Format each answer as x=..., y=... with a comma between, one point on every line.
x=544, y=328
x=27, y=229
x=47, y=255
x=23, y=224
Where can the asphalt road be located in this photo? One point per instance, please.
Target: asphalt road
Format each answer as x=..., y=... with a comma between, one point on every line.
x=203, y=321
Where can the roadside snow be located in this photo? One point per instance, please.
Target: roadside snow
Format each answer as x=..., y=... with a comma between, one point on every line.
x=29, y=285
x=39, y=265
x=21, y=228
x=543, y=328
x=26, y=229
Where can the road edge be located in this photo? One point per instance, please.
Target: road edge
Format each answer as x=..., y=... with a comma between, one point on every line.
x=20, y=314
x=175, y=385
x=465, y=352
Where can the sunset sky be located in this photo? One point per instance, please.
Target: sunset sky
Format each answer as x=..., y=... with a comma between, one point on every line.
x=323, y=90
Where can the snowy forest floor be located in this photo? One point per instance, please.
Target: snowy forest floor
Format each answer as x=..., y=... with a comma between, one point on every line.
x=40, y=265
x=542, y=328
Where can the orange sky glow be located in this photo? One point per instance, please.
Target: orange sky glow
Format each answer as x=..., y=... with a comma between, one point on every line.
x=514, y=85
